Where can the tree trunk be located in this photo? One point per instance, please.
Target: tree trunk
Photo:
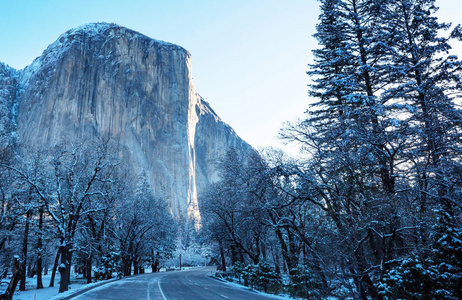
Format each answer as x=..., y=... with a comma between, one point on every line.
x=126, y=266
x=135, y=267
x=222, y=253
x=22, y=284
x=45, y=263
x=30, y=272
x=364, y=283
x=233, y=255
x=88, y=270
x=17, y=275
x=155, y=266
x=285, y=250
x=55, y=267
x=40, y=250
x=65, y=268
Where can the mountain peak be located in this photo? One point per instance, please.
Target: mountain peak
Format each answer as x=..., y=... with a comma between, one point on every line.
x=93, y=28
x=101, y=30
x=91, y=36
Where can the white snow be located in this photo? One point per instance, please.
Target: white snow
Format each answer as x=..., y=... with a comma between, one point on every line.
x=31, y=293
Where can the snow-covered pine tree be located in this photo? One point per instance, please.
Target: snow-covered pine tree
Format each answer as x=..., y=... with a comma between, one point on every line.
x=385, y=118
x=351, y=141
x=425, y=93
x=436, y=277
x=426, y=81
x=447, y=256
x=304, y=283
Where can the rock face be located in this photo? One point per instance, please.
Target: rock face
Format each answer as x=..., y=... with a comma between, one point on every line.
x=104, y=79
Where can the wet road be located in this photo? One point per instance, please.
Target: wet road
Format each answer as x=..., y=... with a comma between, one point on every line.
x=190, y=284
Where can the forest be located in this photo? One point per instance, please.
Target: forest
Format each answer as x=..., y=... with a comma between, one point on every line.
x=369, y=209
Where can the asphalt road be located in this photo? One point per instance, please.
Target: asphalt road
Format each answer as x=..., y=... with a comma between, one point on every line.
x=190, y=284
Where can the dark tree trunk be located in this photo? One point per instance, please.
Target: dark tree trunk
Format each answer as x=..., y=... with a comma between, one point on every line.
x=233, y=255
x=40, y=250
x=55, y=267
x=135, y=267
x=88, y=270
x=17, y=275
x=65, y=268
x=22, y=284
x=127, y=265
x=45, y=263
x=155, y=266
x=222, y=253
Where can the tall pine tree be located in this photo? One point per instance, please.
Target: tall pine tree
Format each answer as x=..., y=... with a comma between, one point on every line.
x=426, y=80
x=384, y=131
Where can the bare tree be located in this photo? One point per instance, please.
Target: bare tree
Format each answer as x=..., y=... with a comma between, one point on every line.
x=76, y=176
x=142, y=224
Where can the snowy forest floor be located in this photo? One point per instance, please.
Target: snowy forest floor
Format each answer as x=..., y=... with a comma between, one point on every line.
x=31, y=293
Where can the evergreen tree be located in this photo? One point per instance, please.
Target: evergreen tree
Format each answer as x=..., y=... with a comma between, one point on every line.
x=304, y=283
x=384, y=132
x=447, y=257
x=425, y=81
x=352, y=144
x=437, y=277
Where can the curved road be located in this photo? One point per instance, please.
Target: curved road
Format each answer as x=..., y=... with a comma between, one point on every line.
x=190, y=284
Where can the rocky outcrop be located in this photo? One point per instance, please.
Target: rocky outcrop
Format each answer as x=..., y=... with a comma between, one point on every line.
x=104, y=79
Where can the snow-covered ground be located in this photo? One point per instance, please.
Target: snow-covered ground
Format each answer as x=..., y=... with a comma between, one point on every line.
x=31, y=293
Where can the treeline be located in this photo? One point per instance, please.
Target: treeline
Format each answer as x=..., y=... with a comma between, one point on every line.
x=371, y=209
x=75, y=205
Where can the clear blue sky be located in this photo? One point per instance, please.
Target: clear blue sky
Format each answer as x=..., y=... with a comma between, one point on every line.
x=249, y=56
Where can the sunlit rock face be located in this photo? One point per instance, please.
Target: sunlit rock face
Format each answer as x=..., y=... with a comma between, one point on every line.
x=104, y=79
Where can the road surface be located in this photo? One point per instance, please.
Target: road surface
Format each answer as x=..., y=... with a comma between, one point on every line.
x=189, y=284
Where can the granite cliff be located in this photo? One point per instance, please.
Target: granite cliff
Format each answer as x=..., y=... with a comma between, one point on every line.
x=104, y=79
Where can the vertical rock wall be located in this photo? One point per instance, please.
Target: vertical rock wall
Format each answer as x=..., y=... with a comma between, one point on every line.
x=103, y=79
